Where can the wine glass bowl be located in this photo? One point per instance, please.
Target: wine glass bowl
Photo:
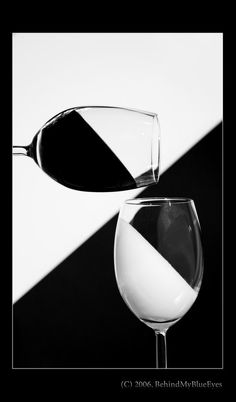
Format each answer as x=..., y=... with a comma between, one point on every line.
x=158, y=259
x=98, y=148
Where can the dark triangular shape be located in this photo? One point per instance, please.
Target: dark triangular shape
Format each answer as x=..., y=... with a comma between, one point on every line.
x=75, y=316
x=73, y=154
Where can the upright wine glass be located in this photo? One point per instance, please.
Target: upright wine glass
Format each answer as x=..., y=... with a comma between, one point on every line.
x=98, y=148
x=158, y=262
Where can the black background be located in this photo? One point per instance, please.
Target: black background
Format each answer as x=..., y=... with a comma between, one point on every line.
x=76, y=318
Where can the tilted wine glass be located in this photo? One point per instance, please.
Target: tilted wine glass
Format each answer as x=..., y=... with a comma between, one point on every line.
x=98, y=148
x=158, y=262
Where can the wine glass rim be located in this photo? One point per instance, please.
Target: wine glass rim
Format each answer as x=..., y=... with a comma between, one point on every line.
x=157, y=201
x=153, y=114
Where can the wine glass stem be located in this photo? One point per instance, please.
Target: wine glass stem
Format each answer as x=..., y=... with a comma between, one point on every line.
x=161, y=349
x=20, y=150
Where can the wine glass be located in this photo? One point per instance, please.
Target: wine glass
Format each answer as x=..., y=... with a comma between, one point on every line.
x=158, y=262
x=98, y=148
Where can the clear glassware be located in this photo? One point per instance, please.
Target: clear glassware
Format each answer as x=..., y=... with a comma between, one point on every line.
x=158, y=262
x=98, y=148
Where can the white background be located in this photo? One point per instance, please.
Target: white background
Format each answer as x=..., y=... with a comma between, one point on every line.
x=176, y=75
